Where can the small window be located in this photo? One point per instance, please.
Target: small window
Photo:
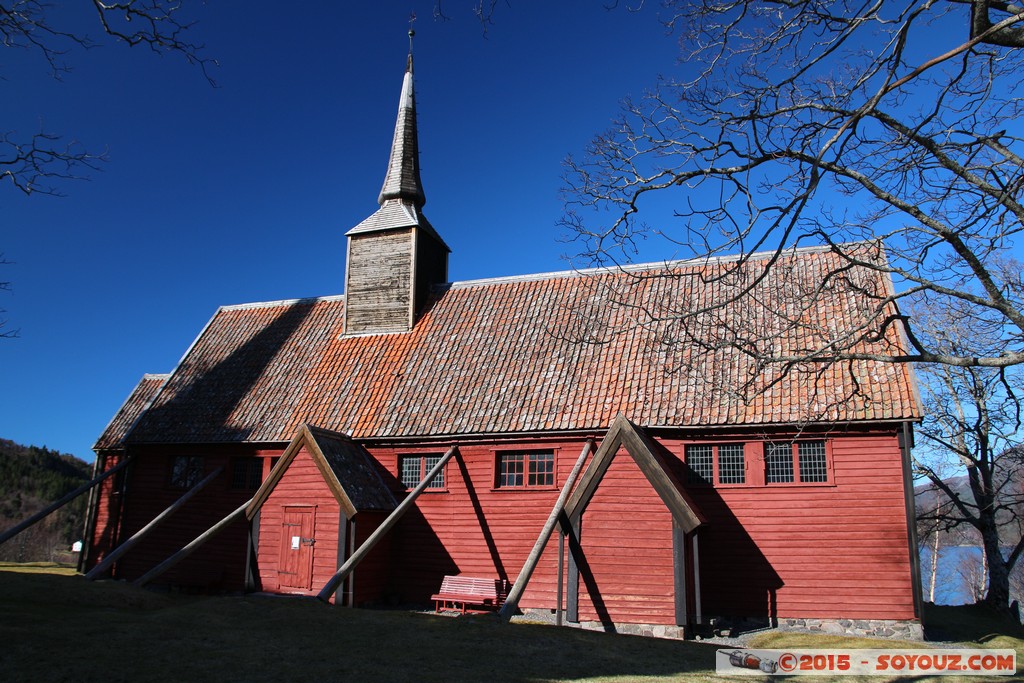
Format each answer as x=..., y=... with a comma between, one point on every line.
x=708, y=463
x=526, y=469
x=413, y=468
x=732, y=468
x=186, y=471
x=541, y=470
x=810, y=466
x=813, y=464
x=700, y=461
x=778, y=463
x=246, y=473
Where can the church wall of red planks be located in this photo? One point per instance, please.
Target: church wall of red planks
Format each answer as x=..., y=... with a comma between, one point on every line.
x=766, y=549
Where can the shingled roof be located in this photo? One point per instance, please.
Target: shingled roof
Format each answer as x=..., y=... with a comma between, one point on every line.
x=345, y=466
x=556, y=352
x=402, y=198
x=136, y=404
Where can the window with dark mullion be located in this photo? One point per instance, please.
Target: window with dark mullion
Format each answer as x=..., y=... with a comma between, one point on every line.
x=710, y=463
x=805, y=462
x=778, y=463
x=813, y=463
x=246, y=473
x=700, y=464
x=413, y=468
x=731, y=464
x=186, y=471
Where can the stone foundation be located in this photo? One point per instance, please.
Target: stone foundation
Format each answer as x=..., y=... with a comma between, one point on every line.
x=720, y=626
x=649, y=630
x=870, y=628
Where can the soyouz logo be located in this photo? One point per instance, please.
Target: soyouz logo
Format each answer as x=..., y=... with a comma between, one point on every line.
x=952, y=662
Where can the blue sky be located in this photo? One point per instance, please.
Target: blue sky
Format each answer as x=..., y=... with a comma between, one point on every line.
x=240, y=193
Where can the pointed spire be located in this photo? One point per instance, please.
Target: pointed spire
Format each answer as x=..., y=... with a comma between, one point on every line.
x=395, y=257
x=402, y=180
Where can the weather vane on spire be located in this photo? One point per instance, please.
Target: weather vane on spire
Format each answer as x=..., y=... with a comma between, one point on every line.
x=412, y=32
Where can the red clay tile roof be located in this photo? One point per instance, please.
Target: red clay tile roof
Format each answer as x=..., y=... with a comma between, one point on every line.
x=504, y=356
x=137, y=403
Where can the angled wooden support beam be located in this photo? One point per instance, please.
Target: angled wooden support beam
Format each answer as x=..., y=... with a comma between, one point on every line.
x=576, y=560
x=199, y=540
x=21, y=526
x=561, y=576
x=355, y=558
x=512, y=601
x=120, y=550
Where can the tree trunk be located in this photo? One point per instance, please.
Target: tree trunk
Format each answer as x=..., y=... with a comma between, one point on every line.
x=935, y=565
x=998, y=595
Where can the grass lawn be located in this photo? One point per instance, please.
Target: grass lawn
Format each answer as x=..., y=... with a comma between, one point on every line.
x=61, y=627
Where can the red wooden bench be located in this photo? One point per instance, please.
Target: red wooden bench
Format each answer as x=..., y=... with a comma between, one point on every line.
x=462, y=591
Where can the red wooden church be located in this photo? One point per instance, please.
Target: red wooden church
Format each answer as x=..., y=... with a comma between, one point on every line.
x=292, y=432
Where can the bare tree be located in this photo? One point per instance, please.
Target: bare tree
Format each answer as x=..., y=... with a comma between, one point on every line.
x=38, y=162
x=883, y=130
x=5, y=286
x=483, y=10
x=971, y=426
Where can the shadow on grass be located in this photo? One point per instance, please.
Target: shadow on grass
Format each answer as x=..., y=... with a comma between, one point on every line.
x=66, y=628
x=967, y=623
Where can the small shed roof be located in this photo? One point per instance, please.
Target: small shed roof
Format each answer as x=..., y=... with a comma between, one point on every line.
x=345, y=465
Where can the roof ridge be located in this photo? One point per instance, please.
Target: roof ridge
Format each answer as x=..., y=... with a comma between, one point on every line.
x=282, y=302
x=634, y=267
x=550, y=275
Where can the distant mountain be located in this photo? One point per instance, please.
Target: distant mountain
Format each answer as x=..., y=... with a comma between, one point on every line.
x=927, y=495
x=32, y=477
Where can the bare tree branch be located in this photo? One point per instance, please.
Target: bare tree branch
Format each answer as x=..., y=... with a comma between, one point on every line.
x=5, y=286
x=971, y=427
x=40, y=163
x=832, y=123
x=37, y=165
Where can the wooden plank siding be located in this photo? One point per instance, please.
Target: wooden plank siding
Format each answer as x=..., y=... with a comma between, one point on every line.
x=431, y=267
x=765, y=550
x=626, y=537
x=219, y=565
x=302, y=484
x=106, y=522
x=779, y=549
x=473, y=527
x=379, y=282
x=372, y=578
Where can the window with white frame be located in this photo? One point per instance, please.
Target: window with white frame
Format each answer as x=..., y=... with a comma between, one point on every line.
x=413, y=468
